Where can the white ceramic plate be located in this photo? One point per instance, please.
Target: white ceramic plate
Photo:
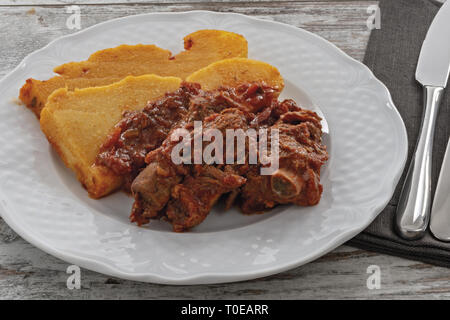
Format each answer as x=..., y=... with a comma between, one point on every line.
x=42, y=201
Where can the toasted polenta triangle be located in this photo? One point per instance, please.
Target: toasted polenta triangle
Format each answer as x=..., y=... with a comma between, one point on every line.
x=76, y=123
x=202, y=48
x=236, y=71
x=111, y=65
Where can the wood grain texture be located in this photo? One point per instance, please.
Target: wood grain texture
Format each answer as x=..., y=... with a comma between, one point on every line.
x=343, y=23
x=103, y=2
x=28, y=273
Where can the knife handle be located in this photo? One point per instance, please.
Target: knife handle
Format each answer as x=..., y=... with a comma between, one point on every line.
x=413, y=211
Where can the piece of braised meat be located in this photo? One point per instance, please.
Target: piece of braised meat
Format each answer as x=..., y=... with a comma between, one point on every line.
x=187, y=192
x=140, y=132
x=193, y=199
x=184, y=193
x=297, y=180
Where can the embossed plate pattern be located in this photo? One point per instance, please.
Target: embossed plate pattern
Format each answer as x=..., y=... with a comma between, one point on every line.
x=42, y=201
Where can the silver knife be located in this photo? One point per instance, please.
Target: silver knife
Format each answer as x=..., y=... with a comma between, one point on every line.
x=413, y=211
x=440, y=213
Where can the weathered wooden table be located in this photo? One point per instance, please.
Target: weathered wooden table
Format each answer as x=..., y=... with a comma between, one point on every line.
x=27, y=272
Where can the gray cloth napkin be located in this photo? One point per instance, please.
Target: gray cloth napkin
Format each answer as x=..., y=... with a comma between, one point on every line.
x=392, y=55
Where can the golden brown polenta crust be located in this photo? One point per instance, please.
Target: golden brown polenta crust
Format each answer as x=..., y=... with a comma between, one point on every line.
x=235, y=71
x=111, y=65
x=76, y=123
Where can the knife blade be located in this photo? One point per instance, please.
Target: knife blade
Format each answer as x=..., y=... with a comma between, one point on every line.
x=433, y=67
x=413, y=211
x=440, y=213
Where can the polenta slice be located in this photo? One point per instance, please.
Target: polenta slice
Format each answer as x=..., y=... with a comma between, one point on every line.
x=236, y=71
x=34, y=93
x=77, y=122
x=110, y=65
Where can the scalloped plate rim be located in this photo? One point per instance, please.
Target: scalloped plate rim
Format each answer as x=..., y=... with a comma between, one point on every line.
x=211, y=277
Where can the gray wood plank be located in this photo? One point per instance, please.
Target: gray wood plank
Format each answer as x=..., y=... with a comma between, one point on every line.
x=343, y=23
x=103, y=2
x=28, y=273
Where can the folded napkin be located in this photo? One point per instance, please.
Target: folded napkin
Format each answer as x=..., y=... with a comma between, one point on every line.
x=392, y=55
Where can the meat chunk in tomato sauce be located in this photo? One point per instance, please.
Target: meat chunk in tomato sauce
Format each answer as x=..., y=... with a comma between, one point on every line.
x=140, y=149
